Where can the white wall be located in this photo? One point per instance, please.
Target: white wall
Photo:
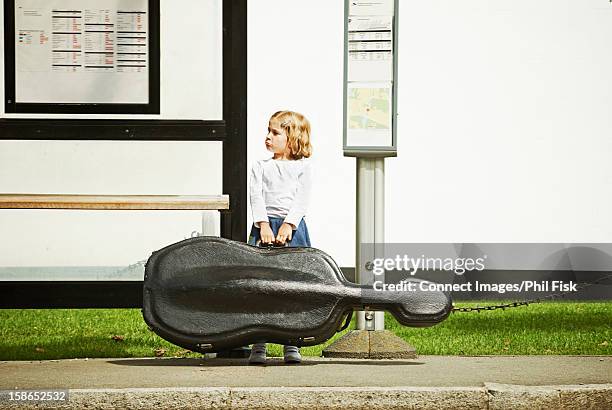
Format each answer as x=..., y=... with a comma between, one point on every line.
x=191, y=85
x=505, y=122
x=504, y=126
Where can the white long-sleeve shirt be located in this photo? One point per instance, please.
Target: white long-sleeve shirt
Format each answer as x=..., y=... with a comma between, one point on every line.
x=280, y=189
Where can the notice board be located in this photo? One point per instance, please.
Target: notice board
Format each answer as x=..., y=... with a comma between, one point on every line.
x=370, y=77
x=82, y=56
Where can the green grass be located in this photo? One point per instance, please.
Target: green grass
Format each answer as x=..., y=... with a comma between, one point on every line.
x=551, y=328
x=537, y=329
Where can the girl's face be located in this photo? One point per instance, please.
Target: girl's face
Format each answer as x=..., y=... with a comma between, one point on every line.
x=276, y=140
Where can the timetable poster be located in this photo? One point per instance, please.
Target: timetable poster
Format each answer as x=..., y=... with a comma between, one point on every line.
x=82, y=51
x=369, y=73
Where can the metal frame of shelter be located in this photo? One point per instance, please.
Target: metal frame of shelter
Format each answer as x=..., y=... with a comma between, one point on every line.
x=231, y=131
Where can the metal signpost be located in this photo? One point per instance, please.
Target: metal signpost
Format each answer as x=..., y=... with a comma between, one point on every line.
x=370, y=95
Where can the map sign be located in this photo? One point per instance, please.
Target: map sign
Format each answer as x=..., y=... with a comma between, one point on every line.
x=369, y=108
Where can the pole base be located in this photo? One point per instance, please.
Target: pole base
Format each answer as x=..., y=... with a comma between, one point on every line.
x=366, y=344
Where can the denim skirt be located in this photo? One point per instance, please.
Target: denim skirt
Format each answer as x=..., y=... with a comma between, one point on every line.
x=299, y=237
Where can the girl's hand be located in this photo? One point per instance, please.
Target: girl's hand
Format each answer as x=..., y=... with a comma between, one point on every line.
x=265, y=232
x=284, y=234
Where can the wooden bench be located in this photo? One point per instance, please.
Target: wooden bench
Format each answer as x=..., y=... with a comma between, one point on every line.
x=91, y=294
x=114, y=202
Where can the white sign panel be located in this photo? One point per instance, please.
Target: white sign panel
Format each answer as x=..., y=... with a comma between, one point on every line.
x=370, y=48
x=82, y=51
x=369, y=81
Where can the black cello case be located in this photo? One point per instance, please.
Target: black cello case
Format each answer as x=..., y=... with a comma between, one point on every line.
x=208, y=294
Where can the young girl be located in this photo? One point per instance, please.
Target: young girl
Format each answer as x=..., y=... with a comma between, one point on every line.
x=280, y=190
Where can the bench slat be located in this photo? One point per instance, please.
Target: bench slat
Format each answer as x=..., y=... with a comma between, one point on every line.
x=114, y=202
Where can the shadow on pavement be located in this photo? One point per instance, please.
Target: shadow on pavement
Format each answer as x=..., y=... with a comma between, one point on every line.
x=276, y=361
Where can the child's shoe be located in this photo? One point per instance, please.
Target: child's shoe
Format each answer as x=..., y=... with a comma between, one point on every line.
x=258, y=354
x=292, y=354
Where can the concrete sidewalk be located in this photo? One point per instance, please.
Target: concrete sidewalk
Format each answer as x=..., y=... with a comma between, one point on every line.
x=427, y=382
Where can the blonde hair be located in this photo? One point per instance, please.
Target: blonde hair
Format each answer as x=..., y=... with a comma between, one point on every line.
x=297, y=128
